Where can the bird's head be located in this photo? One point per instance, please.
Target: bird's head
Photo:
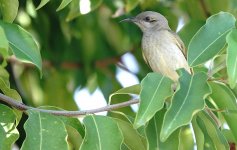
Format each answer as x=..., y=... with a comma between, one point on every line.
x=149, y=21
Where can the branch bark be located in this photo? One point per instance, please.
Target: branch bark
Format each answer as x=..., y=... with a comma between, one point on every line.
x=20, y=106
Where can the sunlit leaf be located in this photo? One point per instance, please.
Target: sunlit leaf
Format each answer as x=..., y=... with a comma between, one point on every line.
x=212, y=38
x=63, y=4
x=231, y=61
x=42, y=3
x=9, y=9
x=22, y=43
x=43, y=131
x=225, y=100
x=101, y=133
x=155, y=89
x=153, y=130
x=186, y=101
x=8, y=131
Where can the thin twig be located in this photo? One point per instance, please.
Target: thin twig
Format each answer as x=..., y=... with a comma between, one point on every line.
x=20, y=106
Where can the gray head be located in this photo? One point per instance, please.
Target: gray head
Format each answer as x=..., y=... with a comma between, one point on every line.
x=149, y=21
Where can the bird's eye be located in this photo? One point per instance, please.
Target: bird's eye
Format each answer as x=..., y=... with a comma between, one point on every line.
x=149, y=19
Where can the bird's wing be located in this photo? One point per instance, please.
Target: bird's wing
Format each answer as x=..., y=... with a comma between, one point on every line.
x=179, y=42
x=144, y=57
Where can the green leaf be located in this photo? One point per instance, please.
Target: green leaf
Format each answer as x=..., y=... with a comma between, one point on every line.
x=3, y=46
x=199, y=136
x=153, y=130
x=231, y=60
x=8, y=131
x=225, y=99
x=42, y=3
x=63, y=4
x=74, y=123
x=44, y=131
x=186, y=101
x=189, y=29
x=8, y=10
x=155, y=89
x=212, y=38
x=101, y=133
x=6, y=90
x=186, y=141
x=74, y=138
x=213, y=138
x=131, y=4
x=131, y=137
x=134, y=89
x=23, y=45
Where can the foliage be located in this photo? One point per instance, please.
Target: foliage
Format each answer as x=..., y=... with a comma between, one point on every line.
x=49, y=48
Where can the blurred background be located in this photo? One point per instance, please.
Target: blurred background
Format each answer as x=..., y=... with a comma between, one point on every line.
x=87, y=54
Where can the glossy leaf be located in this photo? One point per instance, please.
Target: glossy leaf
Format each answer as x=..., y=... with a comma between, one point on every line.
x=43, y=131
x=212, y=38
x=99, y=131
x=8, y=131
x=231, y=60
x=225, y=100
x=9, y=9
x=132, y=138
x=155, y=89
x=213, y=138
x=63, y=4
x=186, y=101
x=42, y=3
x=22, y=43
x=153, y=130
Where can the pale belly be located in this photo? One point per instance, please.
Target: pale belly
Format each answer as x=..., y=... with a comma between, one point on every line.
x=163, y=55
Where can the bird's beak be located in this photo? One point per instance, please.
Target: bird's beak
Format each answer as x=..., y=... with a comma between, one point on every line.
x=132, y=19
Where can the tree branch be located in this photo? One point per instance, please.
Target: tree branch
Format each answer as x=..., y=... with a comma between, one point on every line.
x=20, y=106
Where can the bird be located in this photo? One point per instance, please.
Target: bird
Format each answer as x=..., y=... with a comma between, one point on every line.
x=162, y=48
